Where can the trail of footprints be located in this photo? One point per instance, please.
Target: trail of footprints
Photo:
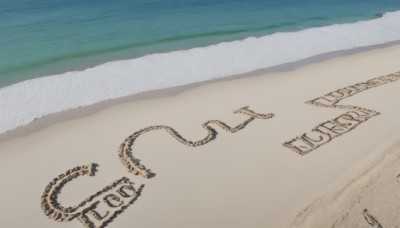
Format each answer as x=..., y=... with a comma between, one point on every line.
x=102, y=207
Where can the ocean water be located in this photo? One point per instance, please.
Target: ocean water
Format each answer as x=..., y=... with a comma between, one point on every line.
x=95, y=50
x=45, y=37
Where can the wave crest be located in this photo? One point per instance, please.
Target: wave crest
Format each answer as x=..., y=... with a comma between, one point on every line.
x=23, y=102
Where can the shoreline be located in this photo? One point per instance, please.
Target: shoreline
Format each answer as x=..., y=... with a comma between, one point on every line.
x=32, y=99
x=250, y=152
x=51, y=119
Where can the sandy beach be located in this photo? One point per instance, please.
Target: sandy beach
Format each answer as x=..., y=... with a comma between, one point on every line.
x=316, y=146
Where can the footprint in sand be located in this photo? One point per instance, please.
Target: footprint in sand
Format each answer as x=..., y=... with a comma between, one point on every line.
x=371, y=220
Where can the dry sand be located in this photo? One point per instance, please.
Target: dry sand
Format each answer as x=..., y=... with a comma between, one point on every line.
x=239, y=178
x=370, y=199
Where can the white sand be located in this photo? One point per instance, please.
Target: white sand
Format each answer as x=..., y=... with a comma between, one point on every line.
x=242, y=179
x=373, y=191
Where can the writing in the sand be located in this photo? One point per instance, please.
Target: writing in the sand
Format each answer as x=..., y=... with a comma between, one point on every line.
x=326, y=131
x=133, y=164
x=98, y=209
x=102, y=207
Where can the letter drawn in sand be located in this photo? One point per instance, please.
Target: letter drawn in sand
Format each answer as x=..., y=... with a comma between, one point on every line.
x=134, y=166
x=325, y=132
x=102, y=207
x=92, y=212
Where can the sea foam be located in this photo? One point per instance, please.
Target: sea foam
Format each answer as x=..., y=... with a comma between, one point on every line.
x=23, y=102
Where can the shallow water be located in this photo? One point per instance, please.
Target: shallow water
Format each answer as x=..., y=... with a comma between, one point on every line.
x=45, y=37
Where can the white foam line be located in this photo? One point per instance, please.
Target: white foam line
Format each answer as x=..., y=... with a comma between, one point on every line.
x=23, y=102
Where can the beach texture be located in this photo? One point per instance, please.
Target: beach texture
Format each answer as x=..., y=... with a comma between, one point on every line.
x=369, y=200
x=260, y=151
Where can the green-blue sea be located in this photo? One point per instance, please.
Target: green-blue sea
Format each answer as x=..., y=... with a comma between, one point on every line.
x=46, y=37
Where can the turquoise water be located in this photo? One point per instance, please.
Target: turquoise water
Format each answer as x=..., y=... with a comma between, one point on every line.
x=44, y=37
